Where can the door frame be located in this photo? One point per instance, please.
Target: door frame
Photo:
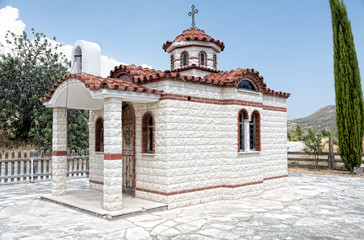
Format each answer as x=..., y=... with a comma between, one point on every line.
x=134, y=135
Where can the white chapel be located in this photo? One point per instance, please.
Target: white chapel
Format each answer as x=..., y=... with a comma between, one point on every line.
x=186, y=135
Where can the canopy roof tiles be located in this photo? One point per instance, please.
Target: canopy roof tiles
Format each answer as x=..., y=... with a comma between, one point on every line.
x=95, y=83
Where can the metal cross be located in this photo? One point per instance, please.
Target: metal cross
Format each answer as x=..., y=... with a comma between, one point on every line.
x=192, y=13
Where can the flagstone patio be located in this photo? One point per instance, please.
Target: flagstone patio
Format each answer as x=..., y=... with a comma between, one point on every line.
x=310, y=207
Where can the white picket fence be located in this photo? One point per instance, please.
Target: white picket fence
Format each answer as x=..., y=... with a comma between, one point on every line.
x=33, y=166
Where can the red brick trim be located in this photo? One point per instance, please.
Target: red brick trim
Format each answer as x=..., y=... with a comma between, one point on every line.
x=113, y=156
x=59, y=153
x=96, y=182
x=208, y=188
x=198, y=189
x=270, y=178
x=220, y=101
x=278, y=109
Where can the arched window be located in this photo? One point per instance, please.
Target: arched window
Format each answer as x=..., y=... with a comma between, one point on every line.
x=243, y=119
x=254, y=132
x=148, y=145
x=184, y=59
x=245, y=84
x=215, y=61
x=99, y=135
x=172, y=62
x=202, y=58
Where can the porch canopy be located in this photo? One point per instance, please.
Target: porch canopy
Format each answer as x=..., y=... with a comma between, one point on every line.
x=85, y=91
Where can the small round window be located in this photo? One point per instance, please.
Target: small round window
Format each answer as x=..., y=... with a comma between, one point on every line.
x=245, y=84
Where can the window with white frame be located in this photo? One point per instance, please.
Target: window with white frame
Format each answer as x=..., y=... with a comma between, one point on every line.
x=248, y=131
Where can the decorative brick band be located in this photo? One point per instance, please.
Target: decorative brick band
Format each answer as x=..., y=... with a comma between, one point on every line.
x=59, y=153
x=278, y=109
x=207, y=188
x=220, y=101
x=198, y=189
x=113, y=156
x=96, y=182
x=270, y=178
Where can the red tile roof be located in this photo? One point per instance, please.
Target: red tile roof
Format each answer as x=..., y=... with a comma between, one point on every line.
x=193, y=35
x=96, y=83
x=231, y=78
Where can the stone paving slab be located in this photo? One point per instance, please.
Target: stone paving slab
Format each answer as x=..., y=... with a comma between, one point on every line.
x=310, y=207
x=90, y=201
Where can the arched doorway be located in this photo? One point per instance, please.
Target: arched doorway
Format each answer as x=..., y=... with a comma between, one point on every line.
x=128, y=128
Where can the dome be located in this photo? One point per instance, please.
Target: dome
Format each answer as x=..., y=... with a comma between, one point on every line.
x=193, y=34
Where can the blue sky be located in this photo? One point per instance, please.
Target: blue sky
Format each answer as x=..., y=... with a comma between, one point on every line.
x=288, y=42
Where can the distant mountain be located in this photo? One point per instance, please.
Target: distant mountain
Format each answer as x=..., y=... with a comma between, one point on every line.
x=324, y=118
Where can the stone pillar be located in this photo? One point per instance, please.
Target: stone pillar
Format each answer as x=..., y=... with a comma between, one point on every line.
x=59, y=154
x=113, y=164
x=246, y=135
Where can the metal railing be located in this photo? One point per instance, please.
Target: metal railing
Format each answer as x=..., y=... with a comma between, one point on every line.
x=20, y=167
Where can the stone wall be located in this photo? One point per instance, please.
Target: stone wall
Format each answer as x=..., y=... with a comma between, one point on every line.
x=196, y=156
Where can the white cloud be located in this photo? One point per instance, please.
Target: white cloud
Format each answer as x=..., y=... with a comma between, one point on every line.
x=9, y=21
x=146, y=66
x=108, y=64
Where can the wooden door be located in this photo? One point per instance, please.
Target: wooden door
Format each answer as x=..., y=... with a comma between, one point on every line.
x=128, y=148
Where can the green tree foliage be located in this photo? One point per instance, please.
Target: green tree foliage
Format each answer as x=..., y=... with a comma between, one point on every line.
x=298, y=133
x=26, y=74
x=325, y=133
x=313, y=144
x=348, y=91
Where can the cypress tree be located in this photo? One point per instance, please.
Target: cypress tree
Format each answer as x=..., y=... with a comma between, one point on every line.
x=348, y=91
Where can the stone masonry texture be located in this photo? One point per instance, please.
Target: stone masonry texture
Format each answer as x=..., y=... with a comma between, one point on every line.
x=112, y=145
x=59, y=145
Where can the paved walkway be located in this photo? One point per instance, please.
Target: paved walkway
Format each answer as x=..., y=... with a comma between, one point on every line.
x=311, y=207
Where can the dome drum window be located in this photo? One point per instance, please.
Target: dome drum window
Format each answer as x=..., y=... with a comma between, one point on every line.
x=172, y=62
x=184, y=59
x=202, y=59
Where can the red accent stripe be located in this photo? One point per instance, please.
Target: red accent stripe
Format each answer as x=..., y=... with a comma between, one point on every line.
x=96, y=182
x=207, y=188
x=59, y=153
x=270, y=178
x=113, y=156
x=220, y=102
